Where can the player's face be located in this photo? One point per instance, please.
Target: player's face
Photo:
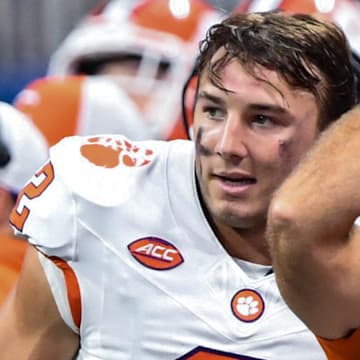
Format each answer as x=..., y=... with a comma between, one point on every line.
x=248, y=138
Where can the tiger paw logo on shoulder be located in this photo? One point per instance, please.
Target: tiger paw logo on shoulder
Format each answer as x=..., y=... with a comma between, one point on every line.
x=110, y=152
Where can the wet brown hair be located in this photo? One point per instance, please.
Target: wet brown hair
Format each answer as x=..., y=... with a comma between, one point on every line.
x=309, y=54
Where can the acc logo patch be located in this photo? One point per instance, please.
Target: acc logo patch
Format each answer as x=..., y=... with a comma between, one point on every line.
x=110, y=152
x=247, y=305
x=155, y=253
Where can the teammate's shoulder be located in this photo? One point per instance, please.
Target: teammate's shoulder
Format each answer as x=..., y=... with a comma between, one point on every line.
x=48, y=87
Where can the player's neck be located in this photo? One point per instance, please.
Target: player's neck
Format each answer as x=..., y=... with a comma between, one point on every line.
x=245, y=244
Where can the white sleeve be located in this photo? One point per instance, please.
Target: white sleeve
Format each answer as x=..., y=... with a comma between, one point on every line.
x=45, y=213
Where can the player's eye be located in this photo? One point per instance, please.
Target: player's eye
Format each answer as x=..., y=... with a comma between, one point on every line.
x=214, y=113
x=263, y=120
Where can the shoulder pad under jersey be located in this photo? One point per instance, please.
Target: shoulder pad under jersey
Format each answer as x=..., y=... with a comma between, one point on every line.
x=105, y=169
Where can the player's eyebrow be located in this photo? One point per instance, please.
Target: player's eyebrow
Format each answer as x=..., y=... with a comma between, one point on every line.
x=268, y=108
x=254, y=106
x=213, y=98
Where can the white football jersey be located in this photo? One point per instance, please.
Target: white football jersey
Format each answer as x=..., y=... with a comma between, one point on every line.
x=145, y=276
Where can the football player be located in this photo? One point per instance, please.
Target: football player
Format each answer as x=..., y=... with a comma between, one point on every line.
x=158, y=249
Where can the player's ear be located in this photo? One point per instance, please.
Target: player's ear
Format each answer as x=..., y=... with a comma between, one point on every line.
x=188, y=101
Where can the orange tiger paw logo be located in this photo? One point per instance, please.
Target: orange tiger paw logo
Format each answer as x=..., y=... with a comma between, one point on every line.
x=110, y=152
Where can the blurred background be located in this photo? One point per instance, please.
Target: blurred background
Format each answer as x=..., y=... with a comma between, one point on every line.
x=31, y=30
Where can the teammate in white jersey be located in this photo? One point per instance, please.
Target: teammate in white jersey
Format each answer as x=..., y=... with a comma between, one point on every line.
x=120, y=70
x=156, y=250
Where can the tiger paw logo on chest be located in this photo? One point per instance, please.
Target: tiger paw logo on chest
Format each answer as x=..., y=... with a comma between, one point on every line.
x=155, y=253
x=111, y=152
x=247, y=305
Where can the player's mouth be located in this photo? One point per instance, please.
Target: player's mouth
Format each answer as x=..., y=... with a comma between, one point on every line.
x=234, y=183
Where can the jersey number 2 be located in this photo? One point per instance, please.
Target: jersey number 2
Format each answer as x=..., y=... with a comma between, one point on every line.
x=32, y=190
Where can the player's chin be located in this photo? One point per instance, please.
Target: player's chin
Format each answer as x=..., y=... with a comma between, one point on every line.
x=233, y=215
